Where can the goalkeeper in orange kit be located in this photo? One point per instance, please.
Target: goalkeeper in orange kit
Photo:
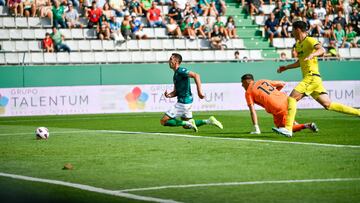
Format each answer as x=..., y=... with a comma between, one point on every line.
x=266, y=93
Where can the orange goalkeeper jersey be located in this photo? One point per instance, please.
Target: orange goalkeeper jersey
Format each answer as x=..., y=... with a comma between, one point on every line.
x=266, y=93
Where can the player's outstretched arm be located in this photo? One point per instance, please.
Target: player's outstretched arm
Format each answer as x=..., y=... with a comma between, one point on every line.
x=290, y=66
x=198, y=84
x=319, y=52
x=254, y=120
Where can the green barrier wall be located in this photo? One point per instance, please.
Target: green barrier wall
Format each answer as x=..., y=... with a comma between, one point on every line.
x=37, y=76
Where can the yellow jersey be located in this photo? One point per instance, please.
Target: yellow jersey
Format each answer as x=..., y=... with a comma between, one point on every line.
x=304, y=49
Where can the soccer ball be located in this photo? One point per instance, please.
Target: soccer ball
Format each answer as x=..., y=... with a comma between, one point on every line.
x=42, y=133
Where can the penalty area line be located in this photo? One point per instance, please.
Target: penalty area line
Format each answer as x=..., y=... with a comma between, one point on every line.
x=242, y=183
x=88, y=188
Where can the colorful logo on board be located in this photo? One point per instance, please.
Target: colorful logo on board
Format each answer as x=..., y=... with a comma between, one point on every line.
x=136, y=99
x=3, y=102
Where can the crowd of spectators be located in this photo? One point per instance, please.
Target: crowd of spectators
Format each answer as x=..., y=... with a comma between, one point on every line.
x=181, y=19
x=337, y=20
x=333, y=19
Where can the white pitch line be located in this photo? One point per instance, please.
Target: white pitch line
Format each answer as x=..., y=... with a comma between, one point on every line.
x=234, y=139
x=88, y=188
x=242, y=183
x=200, y=137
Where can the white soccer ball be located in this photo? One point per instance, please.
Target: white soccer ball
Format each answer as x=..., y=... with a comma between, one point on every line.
x=42, y=133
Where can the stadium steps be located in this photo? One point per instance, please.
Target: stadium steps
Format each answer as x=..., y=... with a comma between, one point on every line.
x=270, y=54
x=109, y=57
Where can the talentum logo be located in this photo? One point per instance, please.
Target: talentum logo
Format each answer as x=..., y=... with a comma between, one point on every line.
x=136, y=99
x=3, y=102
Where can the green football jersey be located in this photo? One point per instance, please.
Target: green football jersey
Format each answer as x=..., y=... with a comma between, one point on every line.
x=182, y=86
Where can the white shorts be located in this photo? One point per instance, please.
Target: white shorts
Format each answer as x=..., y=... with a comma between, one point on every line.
x=180, y=110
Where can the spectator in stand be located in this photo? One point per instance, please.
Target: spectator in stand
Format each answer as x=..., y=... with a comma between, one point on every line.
x=208, y=28
x=316, y=26
x=16, y=7
x=173, y=28
x=295, y=10
x=58, y=38
x=58, y=14
x=118, y=6
x=271, y=28
x=197, y=27
x=145, y=5
x=340, y=19
x=337, y=5
x=221, y=27
x=137, y=27
x=154, y=16
x=328, y=7
x=29, y=8
x=354, y=20
x=175, y=12
x=216, y=38
x=187, y=29
x=75, y=3
x=99, y=3
x=331, y=50
x=220, y=6
x=115, y=30
x=255, y=6
x=47, y=43
x=310, y=9
x=202, y=7
x=126, y=28
x=134, y=7
x=72, y=17
x=93, y=15
x=188, y=11
x=320, y=11
x=349, y=39
x=107, y=11
x=278, y=11
x=339, y=35
x=44, y=8
x=286, y=7
x=237, y=55
x=86, y=5
x=103, y=28
x=231, y=27
x=285, y=24
x=212, y=9
x=327, y=27
x=283, y=56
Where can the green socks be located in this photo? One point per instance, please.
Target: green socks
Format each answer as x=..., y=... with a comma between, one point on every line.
x=200, y=122
x=174, y=122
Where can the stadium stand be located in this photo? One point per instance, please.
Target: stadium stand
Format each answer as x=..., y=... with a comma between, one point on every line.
x=21, y=37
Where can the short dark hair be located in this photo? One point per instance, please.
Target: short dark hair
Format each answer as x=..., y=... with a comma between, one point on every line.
x=177, y=56
x=301, y=25
x=247, y=76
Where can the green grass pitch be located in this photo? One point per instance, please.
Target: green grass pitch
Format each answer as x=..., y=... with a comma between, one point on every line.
x=118, y=159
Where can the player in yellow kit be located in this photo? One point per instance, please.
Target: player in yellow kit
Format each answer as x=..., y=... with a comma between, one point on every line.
x=308, y=50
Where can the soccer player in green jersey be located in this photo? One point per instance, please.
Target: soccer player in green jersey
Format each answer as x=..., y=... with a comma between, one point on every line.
x=182, y=91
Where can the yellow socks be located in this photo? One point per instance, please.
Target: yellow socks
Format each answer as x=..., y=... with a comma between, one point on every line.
x=290, y=117
x=334, y=106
